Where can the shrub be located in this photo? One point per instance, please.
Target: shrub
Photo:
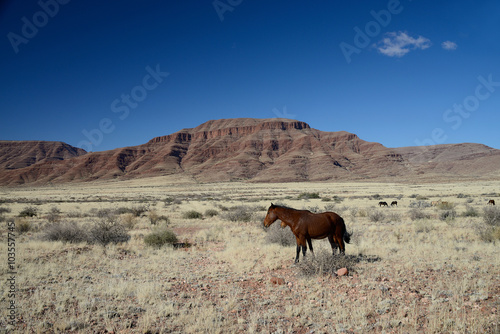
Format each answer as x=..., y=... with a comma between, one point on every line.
x=139, y=210
x=211, y=213
x=128, y=220
x=445, y=205
x=23, y=225
x=278, y=235
x=448, y=215
x=54, y=214
x=307, y=195
x=324, y=263
x=419, y=204
x=470, y=212
x=65, y=232
x=154, y=218
x=491, y=216
x=107, y=231
x=4, y=210
x=238, y=214
x=376, y=216
x=192, y=215
x=160, y=237
x=28, y=211
x=418, y=213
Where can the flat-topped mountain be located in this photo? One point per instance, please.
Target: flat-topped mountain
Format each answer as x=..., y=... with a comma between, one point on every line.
x=257, y=150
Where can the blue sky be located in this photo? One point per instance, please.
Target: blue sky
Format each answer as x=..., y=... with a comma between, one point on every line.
x=102, y=75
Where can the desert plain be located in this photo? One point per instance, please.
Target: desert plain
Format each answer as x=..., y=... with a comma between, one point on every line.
x=412, y=268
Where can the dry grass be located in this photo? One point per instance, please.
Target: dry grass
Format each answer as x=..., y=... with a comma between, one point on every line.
x=409, y=271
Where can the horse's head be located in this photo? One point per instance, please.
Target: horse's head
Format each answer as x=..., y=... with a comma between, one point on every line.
x=271, y=216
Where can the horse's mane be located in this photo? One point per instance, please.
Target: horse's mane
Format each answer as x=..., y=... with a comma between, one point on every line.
x=286, y=207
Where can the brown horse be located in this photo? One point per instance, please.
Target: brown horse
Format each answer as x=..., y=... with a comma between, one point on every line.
x=394, y=203
x=381, y=204
x=306, y=225
x=491, y=202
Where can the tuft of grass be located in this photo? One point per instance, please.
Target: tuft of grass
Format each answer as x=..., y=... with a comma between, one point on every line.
x=160, y=237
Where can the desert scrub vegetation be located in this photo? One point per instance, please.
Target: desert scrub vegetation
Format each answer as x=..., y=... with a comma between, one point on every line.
x=309, y=195
x=239, y=213
x=102, y=232
x=324, y=263
x=211, y=213
x=29, y=211
x=192, y=214
x=490, y=230
x=155, y=218
x=160, y=236
x=276, y=234
x=418, y=213
x=376, y=216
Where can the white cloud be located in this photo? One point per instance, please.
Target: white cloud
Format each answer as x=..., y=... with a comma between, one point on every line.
x=449, y=45
x=397, y=44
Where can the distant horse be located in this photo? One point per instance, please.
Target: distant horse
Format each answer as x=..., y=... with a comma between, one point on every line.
x=394, y=203
x=306, y=225
x=491, y=202
x=383, y=204
x=435, y=203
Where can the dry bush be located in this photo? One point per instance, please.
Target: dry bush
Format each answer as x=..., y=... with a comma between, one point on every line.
x=491, y=216
x=128, y=220
x=376, y=216
x=67, y=232
x=192, y=214
x=238, y=213
x=445, y=206
x=154, y=217
x=29, y=211
x=211, y=213
x=278, y=235
x=448, y=215
x=490, y=230
x=54, y=215
x=470, y=212
x=324, y=263
x=23, y=225
x=107, y=231
x=160, y=237
x=418, y=213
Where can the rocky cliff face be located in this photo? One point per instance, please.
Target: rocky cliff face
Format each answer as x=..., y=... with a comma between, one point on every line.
x=259, y=150
x=20, y=154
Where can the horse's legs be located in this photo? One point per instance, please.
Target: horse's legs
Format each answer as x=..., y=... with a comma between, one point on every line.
x=301, y=243
x=310, y=245
x=333, y=244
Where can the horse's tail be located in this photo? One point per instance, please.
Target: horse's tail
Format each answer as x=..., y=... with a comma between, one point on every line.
x=346, y=235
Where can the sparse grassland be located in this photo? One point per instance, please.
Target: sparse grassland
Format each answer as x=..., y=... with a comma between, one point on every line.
x=412, y=267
